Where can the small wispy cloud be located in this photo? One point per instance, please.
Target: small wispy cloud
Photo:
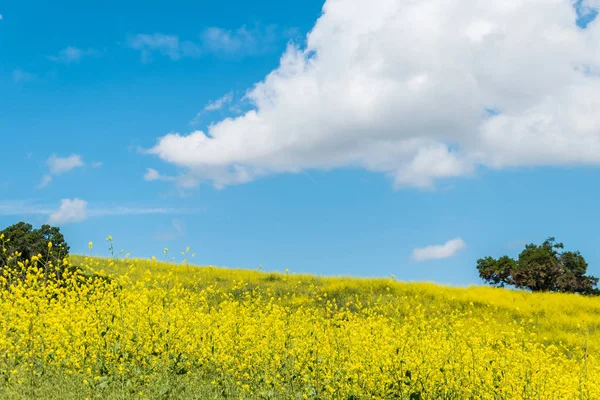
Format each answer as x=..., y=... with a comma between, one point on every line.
x=46, y=180
x=181, y=181
x=213, y=106
x=238, y=42
x=78, y=210
x=241, y=41
x=167, y=45
x=1, y=17
x=124, y=210
x=152, y=175
x=71, y=54
x=196, y=120
x=12, y=208
x=61, y=165
x=219, y=103
x=20, y=76
x=438, y=252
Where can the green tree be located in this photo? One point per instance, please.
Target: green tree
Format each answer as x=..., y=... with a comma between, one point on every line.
x=21, y=238
x=544, y=267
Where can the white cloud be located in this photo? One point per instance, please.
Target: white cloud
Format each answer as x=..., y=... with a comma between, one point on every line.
x=214, y=40
x=61, y=165
x=13, y=208
x=183, y=181
x=69, y=211
x=20, y=76
x=242, y=41
x=167, y=45
x=151, y=175
x=97, y=164
x=436, y=252
x=124, y=210
x=45, y=181
x=196, y=120
x=213, y=106
x=402, y=88
x=76, y=210
x=219, y=103
x=71, y=55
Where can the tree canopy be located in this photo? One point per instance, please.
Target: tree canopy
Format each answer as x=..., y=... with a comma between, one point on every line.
x=544, y=267
x=27, y=241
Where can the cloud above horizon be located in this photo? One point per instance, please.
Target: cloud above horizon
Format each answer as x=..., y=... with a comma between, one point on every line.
x=167, y=45
x=71, y=54
x=438, y=252
x=59, y=166
x=78, y=210
x=419, y=91
x=240, y=42
x=181, y=181
x=69, y=211
x=219, y=103
x=214, y=105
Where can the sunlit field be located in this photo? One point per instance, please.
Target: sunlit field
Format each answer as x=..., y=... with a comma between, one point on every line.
x=149, y=329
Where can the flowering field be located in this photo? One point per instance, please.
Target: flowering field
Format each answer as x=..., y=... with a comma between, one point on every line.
x=148, y=329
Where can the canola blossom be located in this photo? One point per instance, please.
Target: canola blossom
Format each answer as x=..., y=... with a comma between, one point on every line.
x=132, y=328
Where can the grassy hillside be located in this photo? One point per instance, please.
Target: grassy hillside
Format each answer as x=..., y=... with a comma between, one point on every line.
x=158, y=330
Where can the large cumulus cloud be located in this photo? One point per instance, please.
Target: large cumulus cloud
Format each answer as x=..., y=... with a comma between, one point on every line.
x=420, y=90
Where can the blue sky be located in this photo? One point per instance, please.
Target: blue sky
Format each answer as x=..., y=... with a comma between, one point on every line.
x=333, y=138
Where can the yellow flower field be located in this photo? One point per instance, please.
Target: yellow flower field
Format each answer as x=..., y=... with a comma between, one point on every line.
x=146, y=329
